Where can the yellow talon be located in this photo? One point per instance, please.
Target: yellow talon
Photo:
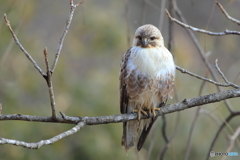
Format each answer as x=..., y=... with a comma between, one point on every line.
x=139, y=111
x=152, y=110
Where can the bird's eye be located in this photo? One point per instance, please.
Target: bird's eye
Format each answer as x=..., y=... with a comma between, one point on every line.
x=152, y=38
x=140, y=38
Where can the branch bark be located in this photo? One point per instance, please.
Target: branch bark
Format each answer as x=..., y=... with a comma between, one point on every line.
x=42, y=142
x=185, y=104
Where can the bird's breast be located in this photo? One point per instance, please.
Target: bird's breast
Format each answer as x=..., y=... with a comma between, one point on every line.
x=151, y=61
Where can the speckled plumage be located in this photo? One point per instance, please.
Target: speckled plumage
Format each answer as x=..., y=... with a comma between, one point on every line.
x=146, y=82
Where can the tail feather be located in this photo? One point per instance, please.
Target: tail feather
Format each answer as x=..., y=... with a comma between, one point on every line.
x=130, y=134
x=144, y=134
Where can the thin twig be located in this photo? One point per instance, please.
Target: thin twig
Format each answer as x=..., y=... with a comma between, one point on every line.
x=169, y=140
x=152, y=142
x=206, y=79
x=226, y=32
x=228, y=119
x=43, y=142
x=226, y=14
x=152, y=4
x=21, y=47
x=143, y=12
x=50, y=86
x=233, y=139
x=222, y=75
x=161, y=17
x=170, y=27
x=127, y=22
x=189, y=141
x=1, y=108
x=60, y=45
x=201, y=52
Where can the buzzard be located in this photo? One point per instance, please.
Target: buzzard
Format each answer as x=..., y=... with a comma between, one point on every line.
x=146, y=82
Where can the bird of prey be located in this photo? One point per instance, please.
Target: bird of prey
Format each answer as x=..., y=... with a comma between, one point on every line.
x=146, y=82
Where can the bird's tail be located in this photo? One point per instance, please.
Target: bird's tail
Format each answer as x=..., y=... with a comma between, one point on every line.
x=130, y=134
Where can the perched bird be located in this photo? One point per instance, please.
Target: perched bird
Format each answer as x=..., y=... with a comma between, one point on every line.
x=146, y=82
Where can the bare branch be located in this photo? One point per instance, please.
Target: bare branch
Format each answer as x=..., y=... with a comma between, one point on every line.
x=21, y=47
x=228, y=119
x=161, y=16
x=50, y=86
x=224, y=78
x=168, y=141
x=206, y=79
x=226, y=32
x=0, y=108
x=60, y=45
x=201, y=52
x=233, y=139
x=43, y=142
x=185, y=104
x=127, y=21
x=226, y=14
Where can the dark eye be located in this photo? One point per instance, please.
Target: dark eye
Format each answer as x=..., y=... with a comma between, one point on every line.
x=152, y=38
x=140, y=38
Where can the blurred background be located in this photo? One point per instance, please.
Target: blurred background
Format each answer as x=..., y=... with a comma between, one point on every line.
x=86, y=78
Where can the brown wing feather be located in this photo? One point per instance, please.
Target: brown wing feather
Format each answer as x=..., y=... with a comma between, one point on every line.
x=123, y=91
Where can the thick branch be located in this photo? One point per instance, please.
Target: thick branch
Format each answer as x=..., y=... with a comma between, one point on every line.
x=43, y=142
x=185, y=104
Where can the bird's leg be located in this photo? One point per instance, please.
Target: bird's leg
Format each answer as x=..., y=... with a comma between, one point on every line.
x=152, y=111
x=139, y=110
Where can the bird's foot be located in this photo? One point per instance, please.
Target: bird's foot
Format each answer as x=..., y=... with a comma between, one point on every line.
x=153, y=111
x=139, y=111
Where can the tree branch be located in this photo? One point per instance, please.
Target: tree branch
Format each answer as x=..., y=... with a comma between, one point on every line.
x=43, y=142
x=201, y=52
x=60, y=45
x=226, y=14
x=226, y=32
x=21, y=47
x=185, y=104
x=50, y=86
x=228, y=119
x=228, y=84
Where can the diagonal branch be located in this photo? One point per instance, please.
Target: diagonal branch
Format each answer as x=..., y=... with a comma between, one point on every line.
x=228, y=84
x=201, y=52
x=21, y=47
x=226, y=32
x=50, y=86
x=233, y=139
x=226, y=14
x=228, y=119
x=43, y=142
x=60, y=45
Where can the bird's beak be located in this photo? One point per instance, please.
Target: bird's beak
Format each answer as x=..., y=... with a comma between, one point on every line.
x=144, y=41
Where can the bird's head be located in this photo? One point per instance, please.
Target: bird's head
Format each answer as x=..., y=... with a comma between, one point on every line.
x=148, y=36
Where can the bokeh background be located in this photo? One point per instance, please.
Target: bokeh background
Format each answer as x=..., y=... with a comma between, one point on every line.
x=86, y=78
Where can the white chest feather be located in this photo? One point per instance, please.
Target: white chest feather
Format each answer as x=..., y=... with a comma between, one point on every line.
x=151, y=61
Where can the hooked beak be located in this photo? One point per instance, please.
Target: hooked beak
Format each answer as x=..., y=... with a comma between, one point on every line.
x=144, y=42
